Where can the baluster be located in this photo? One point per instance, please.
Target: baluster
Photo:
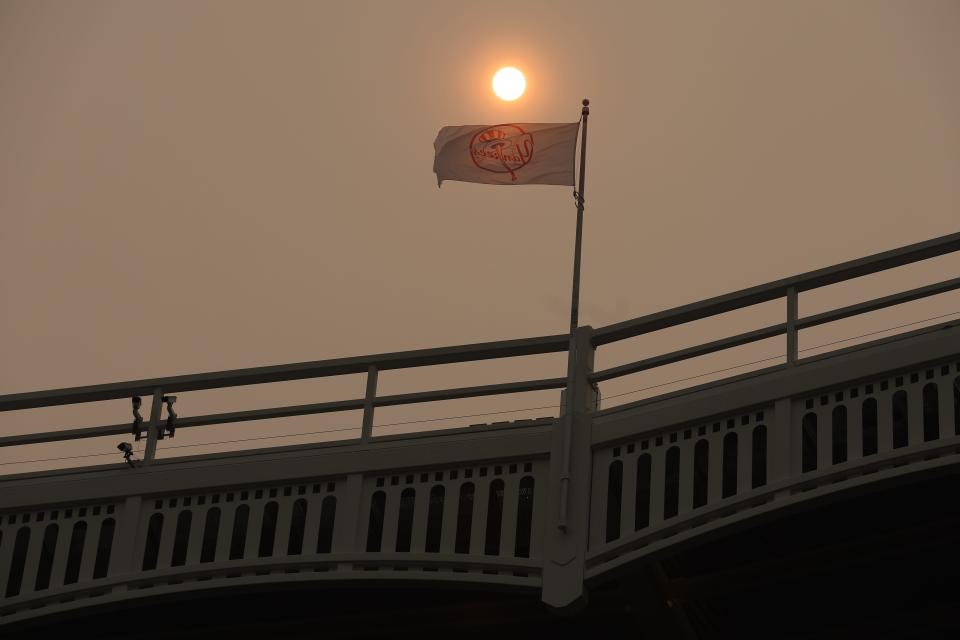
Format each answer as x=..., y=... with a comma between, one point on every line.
x=508, y=524
x=60, y=555
x=945, y=406
x=391, y=517
x=168, y=536
x=421, y=507
x=914, y=413
x=854, y=429
x=33, y=557
x=628, y=506
x=540, y=510
x=282, y=535
x=311, y=526
x=228, y=515
x=796, y=445
x=352, y=516
x=451, y=505
x=824, y=436
x=658, y=471
x=714, y=466
x=478, y=528
x=884, y=421
x=195, y=540
x=251, y=548
x=686, y=475
x=88, y=560
x=6, y=555
x=745, y=458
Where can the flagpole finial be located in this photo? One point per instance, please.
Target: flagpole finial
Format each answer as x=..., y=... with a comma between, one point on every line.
x=586, y=107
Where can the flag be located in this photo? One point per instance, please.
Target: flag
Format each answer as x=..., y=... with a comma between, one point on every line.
x=507, y=153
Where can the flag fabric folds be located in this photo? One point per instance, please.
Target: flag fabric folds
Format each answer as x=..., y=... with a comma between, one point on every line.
x=519, y=153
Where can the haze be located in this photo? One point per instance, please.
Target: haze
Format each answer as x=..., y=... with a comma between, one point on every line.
x=192, y=186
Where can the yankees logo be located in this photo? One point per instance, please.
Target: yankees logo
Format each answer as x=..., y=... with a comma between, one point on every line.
x=502, y=148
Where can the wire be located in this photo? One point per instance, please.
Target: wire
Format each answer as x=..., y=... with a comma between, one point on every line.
x=469, y=415
x=355, y=428
x=490, y=413
x=279, y=435
x=89, y=455
x=291, y=435
x=873, y=333
x=701, y=375
x=781, y=355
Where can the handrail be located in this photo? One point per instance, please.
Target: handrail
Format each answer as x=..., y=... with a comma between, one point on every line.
x=690, y=352
x=287, y=372
x=879, y=303
x=776, y=330
x=777, y=289
x=295, y=410
x=371, y=364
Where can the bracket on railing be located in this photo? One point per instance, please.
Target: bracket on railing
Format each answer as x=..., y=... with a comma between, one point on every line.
x=154, y=430
x=171, y=416
x=137, y=418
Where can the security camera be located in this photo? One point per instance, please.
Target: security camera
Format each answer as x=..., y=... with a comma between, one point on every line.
x=127, y=450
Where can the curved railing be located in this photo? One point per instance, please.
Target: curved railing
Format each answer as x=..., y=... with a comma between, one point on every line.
x=665, y=486
x=518, y=505
x=479, y=523
x=660, y=481
x=788, y=288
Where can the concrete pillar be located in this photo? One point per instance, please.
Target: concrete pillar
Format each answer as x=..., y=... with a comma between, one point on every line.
x=348, y=525
x=568, y=513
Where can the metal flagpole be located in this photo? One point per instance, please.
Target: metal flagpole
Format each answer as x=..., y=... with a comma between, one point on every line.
x=575, y=305
x=574, y=317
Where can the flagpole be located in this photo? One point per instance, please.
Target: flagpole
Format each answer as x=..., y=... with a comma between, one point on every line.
x=575, y=304
x=574, y=317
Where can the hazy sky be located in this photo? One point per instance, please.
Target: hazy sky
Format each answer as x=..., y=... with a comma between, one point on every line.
x=193, y=185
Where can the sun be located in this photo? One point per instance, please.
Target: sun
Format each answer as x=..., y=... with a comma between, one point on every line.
x=509, y=83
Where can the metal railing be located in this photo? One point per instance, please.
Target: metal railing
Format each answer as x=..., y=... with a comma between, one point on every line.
x=788, y=288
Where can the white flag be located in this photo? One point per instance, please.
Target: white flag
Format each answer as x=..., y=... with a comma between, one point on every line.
x=507, y=153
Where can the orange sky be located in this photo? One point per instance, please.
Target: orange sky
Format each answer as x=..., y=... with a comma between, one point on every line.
x=189, y=186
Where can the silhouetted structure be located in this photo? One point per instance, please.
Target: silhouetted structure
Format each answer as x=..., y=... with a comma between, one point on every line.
x=809, y=499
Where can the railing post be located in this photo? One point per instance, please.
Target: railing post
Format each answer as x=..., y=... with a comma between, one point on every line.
x=366, y=431
x=792, y=349
x=152, y=427
x=571, y=463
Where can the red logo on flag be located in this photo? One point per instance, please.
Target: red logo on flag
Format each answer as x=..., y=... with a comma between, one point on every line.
x=502, y=148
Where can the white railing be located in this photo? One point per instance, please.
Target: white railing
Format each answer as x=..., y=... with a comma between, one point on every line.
x=550, y=504
x=690, y=480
